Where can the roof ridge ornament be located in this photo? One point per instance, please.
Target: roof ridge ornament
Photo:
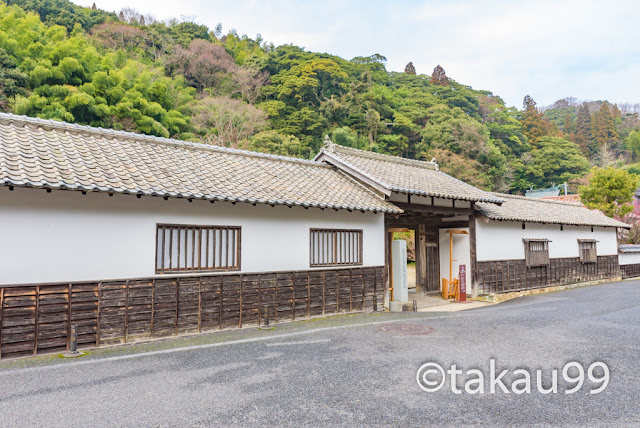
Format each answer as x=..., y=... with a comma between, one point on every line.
x=330, y=145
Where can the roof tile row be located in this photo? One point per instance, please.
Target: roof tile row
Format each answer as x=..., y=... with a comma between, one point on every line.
x=43, y=153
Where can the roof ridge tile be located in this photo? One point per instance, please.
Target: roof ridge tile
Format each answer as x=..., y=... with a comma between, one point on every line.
x=382, y=157
x=527, y=198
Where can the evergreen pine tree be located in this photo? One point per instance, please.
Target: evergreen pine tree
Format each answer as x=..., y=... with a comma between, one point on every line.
x=410, y=69
x=439, y=77
x=583, y=129
x=533, y=123
x=615, y=112
x=567, y=128
x=604, y=128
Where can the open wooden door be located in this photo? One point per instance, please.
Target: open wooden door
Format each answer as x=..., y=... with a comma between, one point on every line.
x=432, y=253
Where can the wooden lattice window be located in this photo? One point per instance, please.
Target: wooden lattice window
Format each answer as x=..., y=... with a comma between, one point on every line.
x=334, y=247
x=536, y=252
x=191, y=248
x=588, y=251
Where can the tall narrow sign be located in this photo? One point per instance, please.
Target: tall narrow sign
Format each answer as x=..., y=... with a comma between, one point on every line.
x=462, y=293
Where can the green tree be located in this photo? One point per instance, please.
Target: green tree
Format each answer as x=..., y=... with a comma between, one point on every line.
x=311, y=81
x=567, y=128
x=610, y=190
x=632, y=143
x=345, y=136
x=554, y=160
x=185, y=32
x=65, y=13
x=13, y=82
x=275, y=143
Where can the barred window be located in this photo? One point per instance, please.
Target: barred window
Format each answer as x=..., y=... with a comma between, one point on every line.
x=333, y=247
x=536, y=252
x=190, y=248
x=588, y=251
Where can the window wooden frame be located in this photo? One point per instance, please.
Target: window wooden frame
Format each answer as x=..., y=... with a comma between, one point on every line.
x=197, y=248
x=536, y=252
x=335, y=247
x=588, y=249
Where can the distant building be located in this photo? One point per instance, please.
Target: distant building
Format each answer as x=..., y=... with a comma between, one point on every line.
x=629, y=259
x=564, y=198
x=542, y=193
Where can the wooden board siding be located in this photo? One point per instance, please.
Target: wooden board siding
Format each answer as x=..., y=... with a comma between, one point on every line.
x=37, y=318
x=630, y=271
x=512, y=275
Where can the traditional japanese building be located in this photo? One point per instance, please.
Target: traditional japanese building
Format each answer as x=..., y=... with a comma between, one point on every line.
x=129, y=237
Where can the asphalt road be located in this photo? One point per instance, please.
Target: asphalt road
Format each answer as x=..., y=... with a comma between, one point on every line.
x=343, y=371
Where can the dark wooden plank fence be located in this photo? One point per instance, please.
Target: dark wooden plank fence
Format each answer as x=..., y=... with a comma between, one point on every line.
x=630, y=271
x=37, y=318
x=513, y=275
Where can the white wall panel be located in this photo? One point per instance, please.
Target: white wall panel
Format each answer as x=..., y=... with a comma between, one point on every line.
x=502, y=240
x=461, y=254
x=67, y=236
x=629, y=258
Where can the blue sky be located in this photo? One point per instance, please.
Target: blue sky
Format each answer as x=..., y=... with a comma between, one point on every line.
x=545, y=48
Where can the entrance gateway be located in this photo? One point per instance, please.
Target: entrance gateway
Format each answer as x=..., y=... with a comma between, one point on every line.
x=432, y=203
x=444, y=237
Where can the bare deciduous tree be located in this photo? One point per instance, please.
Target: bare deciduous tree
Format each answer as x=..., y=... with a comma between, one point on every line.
x=203, y=63
x=115, y=35
x=227, y=122
x=605, y=156
x=132, y=16
x=628, y=108
x=249, y=82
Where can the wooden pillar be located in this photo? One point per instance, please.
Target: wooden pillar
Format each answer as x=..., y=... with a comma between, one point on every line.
x=387, y=260
x=421, y=258
x=472, y=247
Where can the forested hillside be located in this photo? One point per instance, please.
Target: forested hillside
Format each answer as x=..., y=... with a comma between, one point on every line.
x=184, y=80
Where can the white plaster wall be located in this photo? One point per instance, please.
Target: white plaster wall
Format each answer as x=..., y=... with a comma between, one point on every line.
x=502, y=240
x=67, y=236
x=628, y=258
x=461, y=254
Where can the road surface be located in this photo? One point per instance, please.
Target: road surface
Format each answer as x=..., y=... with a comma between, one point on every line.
x=345, y=371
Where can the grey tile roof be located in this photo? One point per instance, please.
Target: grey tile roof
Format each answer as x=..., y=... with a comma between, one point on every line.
x=522, y=208
x=629, y=248
x=405, y=175
x=56, y=155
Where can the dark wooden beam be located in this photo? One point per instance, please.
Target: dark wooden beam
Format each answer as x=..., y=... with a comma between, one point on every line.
x=387, y=259
x=412, y=223
x=427, y=209
x=421, y=258
x=473, y=256
x=453, y=224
